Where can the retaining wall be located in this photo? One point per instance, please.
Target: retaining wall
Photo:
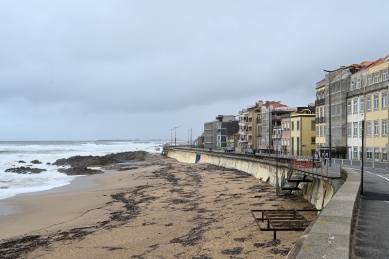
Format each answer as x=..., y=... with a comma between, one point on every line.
x=329, y=236
x=318, y=193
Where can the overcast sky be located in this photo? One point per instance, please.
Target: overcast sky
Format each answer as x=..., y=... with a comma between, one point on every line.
x=88, y=70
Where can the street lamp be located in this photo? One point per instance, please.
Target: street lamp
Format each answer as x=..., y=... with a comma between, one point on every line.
x=171, y=142
x=175, y=138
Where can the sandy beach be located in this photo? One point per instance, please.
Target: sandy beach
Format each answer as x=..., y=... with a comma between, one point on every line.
x=161, y=209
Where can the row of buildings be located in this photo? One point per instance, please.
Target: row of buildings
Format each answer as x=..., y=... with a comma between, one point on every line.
x=348, y=100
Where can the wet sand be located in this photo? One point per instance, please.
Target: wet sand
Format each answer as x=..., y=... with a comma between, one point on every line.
x=165, y=209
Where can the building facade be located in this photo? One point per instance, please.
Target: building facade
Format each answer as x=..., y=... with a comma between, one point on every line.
x=216, y=132
x=376, y=114
x=303, y=133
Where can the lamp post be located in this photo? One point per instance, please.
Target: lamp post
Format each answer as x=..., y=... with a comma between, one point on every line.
x=171, y=143
x=175, y=138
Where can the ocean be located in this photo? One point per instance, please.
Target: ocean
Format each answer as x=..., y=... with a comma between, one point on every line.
x=47, y=152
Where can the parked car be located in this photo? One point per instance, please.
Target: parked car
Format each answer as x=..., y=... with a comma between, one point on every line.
x=249, y=151
x=229, y=149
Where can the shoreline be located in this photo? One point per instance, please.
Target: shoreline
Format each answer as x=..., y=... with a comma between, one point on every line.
x=26, y=210
x=161, y=210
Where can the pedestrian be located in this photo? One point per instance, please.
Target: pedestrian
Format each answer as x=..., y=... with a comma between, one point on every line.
x=325, y=157
x=315, y=158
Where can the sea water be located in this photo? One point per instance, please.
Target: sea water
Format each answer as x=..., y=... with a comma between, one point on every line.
x=47, y=152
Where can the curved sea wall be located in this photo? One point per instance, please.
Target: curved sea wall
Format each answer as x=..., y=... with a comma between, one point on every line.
x=318, y=193
x=329, y=235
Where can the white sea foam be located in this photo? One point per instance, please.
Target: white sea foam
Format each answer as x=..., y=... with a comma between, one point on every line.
x=48, y=152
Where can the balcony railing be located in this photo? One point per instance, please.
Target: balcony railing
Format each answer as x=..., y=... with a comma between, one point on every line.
x=320, y=102
x=320, y=120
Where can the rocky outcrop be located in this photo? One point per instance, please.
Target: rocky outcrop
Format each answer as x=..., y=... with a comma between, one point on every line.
x=21, y=161
x=79, y=171
x=85, y=161
x=35, y=162
x=24, y=170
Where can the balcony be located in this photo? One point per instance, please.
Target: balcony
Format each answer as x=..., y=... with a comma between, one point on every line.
x=320, y=102
x=276, y=136
x=320, y=120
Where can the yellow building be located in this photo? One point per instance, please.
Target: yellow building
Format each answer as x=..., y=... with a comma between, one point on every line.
x=303, y=134
x=376, y=110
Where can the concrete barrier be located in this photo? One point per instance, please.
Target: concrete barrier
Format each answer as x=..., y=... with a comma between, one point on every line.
x=326, y=237
x=329, y=236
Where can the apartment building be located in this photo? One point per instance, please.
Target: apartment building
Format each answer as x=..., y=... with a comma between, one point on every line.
x=216, y=132
x=356, y=109
x=320, y=103
x=285, y=134
x=243, y=129
x=270, y=127
x=376, y=112
x=303, y=133
x=331, y=91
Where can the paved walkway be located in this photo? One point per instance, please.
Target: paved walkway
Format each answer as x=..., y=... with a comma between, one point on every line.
x=371, y=230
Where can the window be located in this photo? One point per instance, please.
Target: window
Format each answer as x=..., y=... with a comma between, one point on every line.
x=352, y=86
x=376, y=102
x=355, y=156
x=376, y=154
x=369, y=79
x=292, y=125
x=317, y=130
x=359, y=83
x=369, y=154
x=349, y=129
x=313, y=140
x=313, y=124
x=368, y=102
x=384, y=154
x=360, y=128
x=355, y=126
x=355, y=105
x=376, y=128
x=376, y=77
x=321, y=112
x=384, y=99
x=298, y=125
x=384, y=127
x=368, y=128
x=361, y=104
x=321, y=131
x=349, y=107
x=385, y=75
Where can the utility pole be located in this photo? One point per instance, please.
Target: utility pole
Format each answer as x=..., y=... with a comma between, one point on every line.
x=171, y=143
x=175, y=138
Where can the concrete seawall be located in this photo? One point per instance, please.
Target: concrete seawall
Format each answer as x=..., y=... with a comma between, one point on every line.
x=318, y=193
x=329, y=235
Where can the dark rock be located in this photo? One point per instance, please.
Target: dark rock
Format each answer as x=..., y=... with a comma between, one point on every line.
x=79, y=171
x=21, y=161
x=35, y=162
x=24, y=170
x=84, y=161
x=48, y=163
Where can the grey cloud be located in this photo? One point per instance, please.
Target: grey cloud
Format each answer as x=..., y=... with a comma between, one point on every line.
x=95, y=61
